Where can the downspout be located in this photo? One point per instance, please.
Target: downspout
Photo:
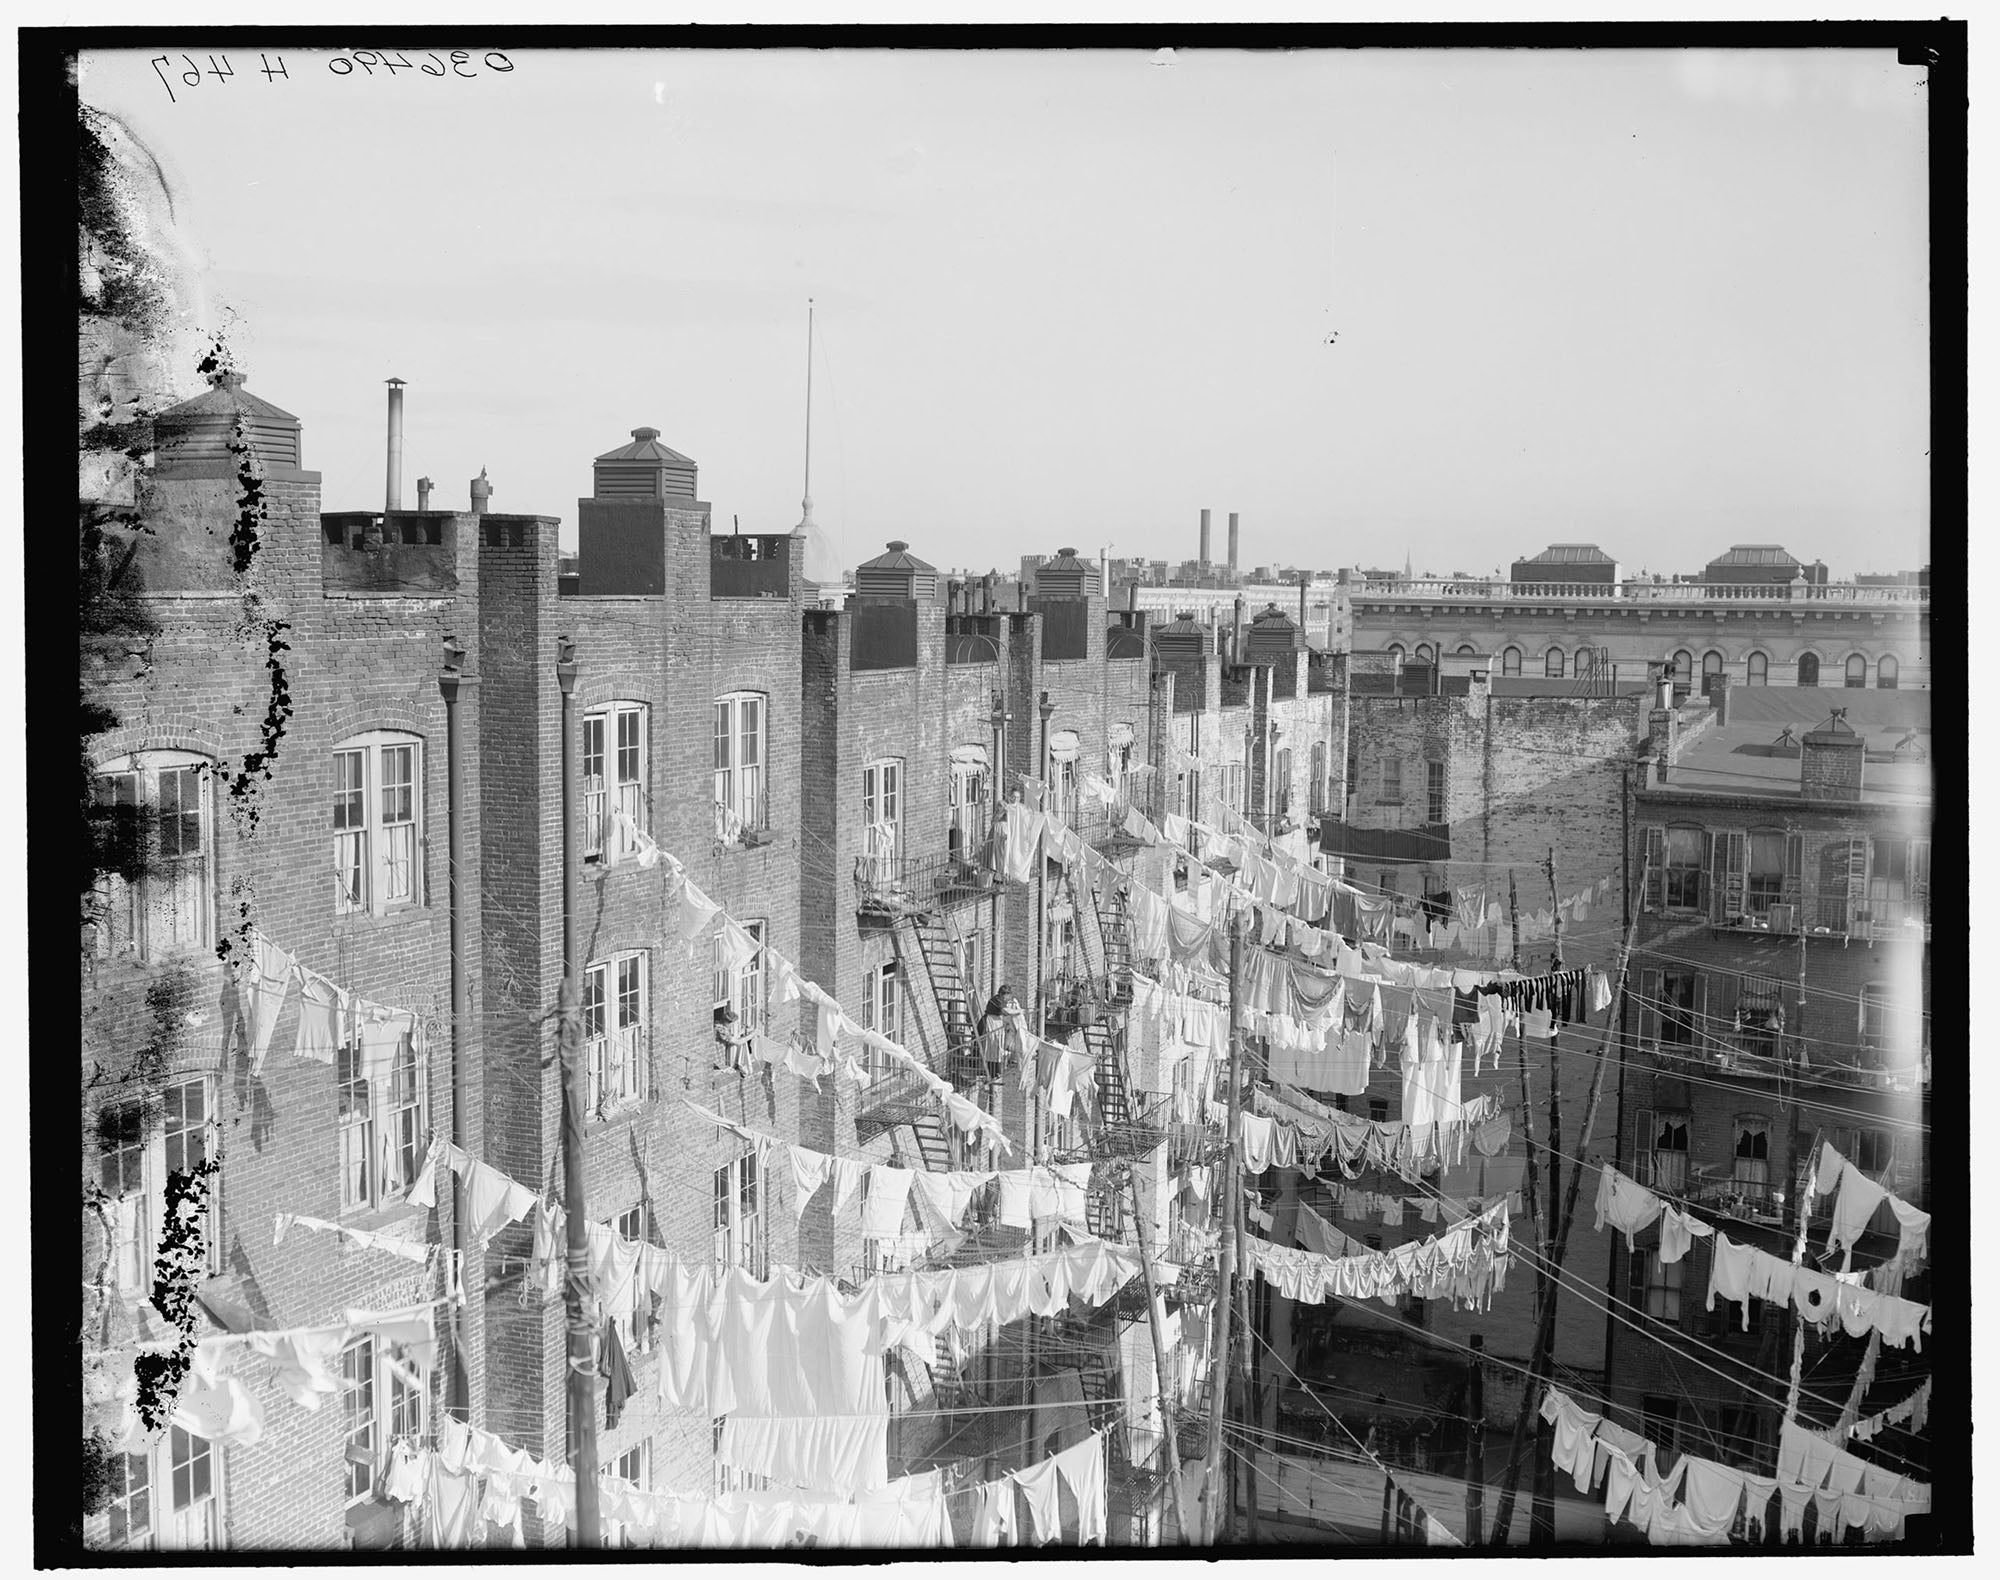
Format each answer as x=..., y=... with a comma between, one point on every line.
x=450, y=680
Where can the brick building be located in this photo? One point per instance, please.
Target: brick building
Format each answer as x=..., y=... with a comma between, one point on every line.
x=1781, y=873
x=1755, y=614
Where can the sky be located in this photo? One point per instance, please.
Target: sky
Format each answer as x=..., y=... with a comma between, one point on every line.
x=1453, y=305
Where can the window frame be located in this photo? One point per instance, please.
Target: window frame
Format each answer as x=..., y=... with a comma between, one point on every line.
x=737, y=1232
x=371, y=863
x=1888, y=672
x=1748, y=1166
x=881, y=1011
x=1851, y=678
x=1683, y=668
x=882, y=801
x=395, y=1408
x=1712, y=663
x=1757, y=668
x=170, y=1524
x=1510, y=662
x=1807, y=673
x=1554, y=661
x=634, y=1465
x=742, y=789
x=1684, y=882
x=605, y=996
x=1435, y=791
x=970, y=805
x=129, y=911
x=609, y=723
x=145, y=1157
x=1389, y=786
x=743, y=993
x=635, y=1223
x=1657, y=1125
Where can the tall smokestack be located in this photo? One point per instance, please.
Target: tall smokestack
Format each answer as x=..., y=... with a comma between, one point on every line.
x=1236, y=634
x=1204, y=537
x=423, y=493
x=395, y=445
x=1232, y=543
x=482, y=491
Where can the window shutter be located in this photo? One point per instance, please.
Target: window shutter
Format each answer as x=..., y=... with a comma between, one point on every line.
x=1920, y=876
x=1704, y=1042
x=1656, y=874
x=1708, y=859
x=1649, y=1011
x=1735, y=900
x=1857, y=879
x=1642, y=1147
x=1795, y=861
x=1716, y=866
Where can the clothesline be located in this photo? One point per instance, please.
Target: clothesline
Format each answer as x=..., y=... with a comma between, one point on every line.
x=330, y=1016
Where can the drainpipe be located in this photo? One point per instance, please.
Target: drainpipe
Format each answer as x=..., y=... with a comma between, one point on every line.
x=450, y=681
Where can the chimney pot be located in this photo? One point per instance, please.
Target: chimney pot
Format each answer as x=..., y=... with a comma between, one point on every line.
x=897, y=545
x=645, y=433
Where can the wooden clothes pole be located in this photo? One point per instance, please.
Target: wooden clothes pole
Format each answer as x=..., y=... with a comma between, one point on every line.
x=1218, y=1366
x=582, y=1346
x=1159, y=1354
x=1542, y=1523
x=1804, y=1184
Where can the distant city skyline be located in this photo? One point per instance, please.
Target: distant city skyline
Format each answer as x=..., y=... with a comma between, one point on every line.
x=1455, y=304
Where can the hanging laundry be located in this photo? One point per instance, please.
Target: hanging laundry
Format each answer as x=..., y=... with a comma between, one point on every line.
x=888, y=1195
x=1678, y=1231
x=323, y=1010
x=268, y=979
x=617, y=1374
x=1624, y=1203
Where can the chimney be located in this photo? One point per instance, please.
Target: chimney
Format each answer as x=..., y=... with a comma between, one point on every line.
x=1661, y=673
x=1716, y=688
x=423, y=493
x=482, y=491
x=395, y=445
x=986, y=593
x=1204, y=539
x=1303, y=579
x=1132, y=595
x=1232, y=543
x=1236, y=633
x=1831, y=761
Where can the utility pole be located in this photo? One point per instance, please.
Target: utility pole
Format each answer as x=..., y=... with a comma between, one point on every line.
x=1800, y=1180
x=1475, y=1442
x=1503, y=1522
x=582, y=1367
x=1218, y=1375
x=451, y=679
x=1246, y=1385
x=1541, y=1365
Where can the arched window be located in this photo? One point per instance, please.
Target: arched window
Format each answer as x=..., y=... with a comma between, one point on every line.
x=1424, y=654
x=1281, y=790
x=1510, y=661
x=1396, y=651
x=1317, y=793
x=1552, y=664
x=1466, y=650
x=1711, y=663
x=740, y=754
x=1808, y=669
x=1683, y=668
x=378, y=809
x=1756, y=669
x=154, y=901
x=1886, y=673
x=1857, y=669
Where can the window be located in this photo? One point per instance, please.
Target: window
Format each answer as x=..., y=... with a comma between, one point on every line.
x=1425, y=654
x=1751, y=1174
x=186, y=1467
x=1434, y=792
x=1764, y=884
x=1760, y=1015
x=1656, y=1285
x=1378, y=1110
x=1316, y=791
x=614, y=1032
x=631, y=1224
x=1552, y=664
x=1808, y=669
x=882, y=822
x=740, y=755
x=1391, y=790
x=1711, y=663
x=160, y=804
x=1659, y=1416
x=357, y=1384
x=134, y=1167
x=1886, y=671
x=1466, y=650
x=1857, y=670
x=739, y=1216
x=635, y=1465
x=1663, y=1143
x=1281, y=792
x=1899, y=881
x=1510, y=661
x=1675, y=857
x=379, y=1120
x=1756, y=669
x=1873, y=1151
x=1680, y=1008
x=882, y=1010
x=375, y=814
x=739, y=990
x=1118, y=752
x=1890, y=1035
x=1683, y=668
x=971, y=806
x=727, y=1477
x=1396, y=653
x=614, y=739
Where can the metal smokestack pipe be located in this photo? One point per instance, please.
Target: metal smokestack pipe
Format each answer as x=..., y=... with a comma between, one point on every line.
x=1204, y=538
x=1232, y=543
x=423, y=493
x=1236, y=637
x=395, y=499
